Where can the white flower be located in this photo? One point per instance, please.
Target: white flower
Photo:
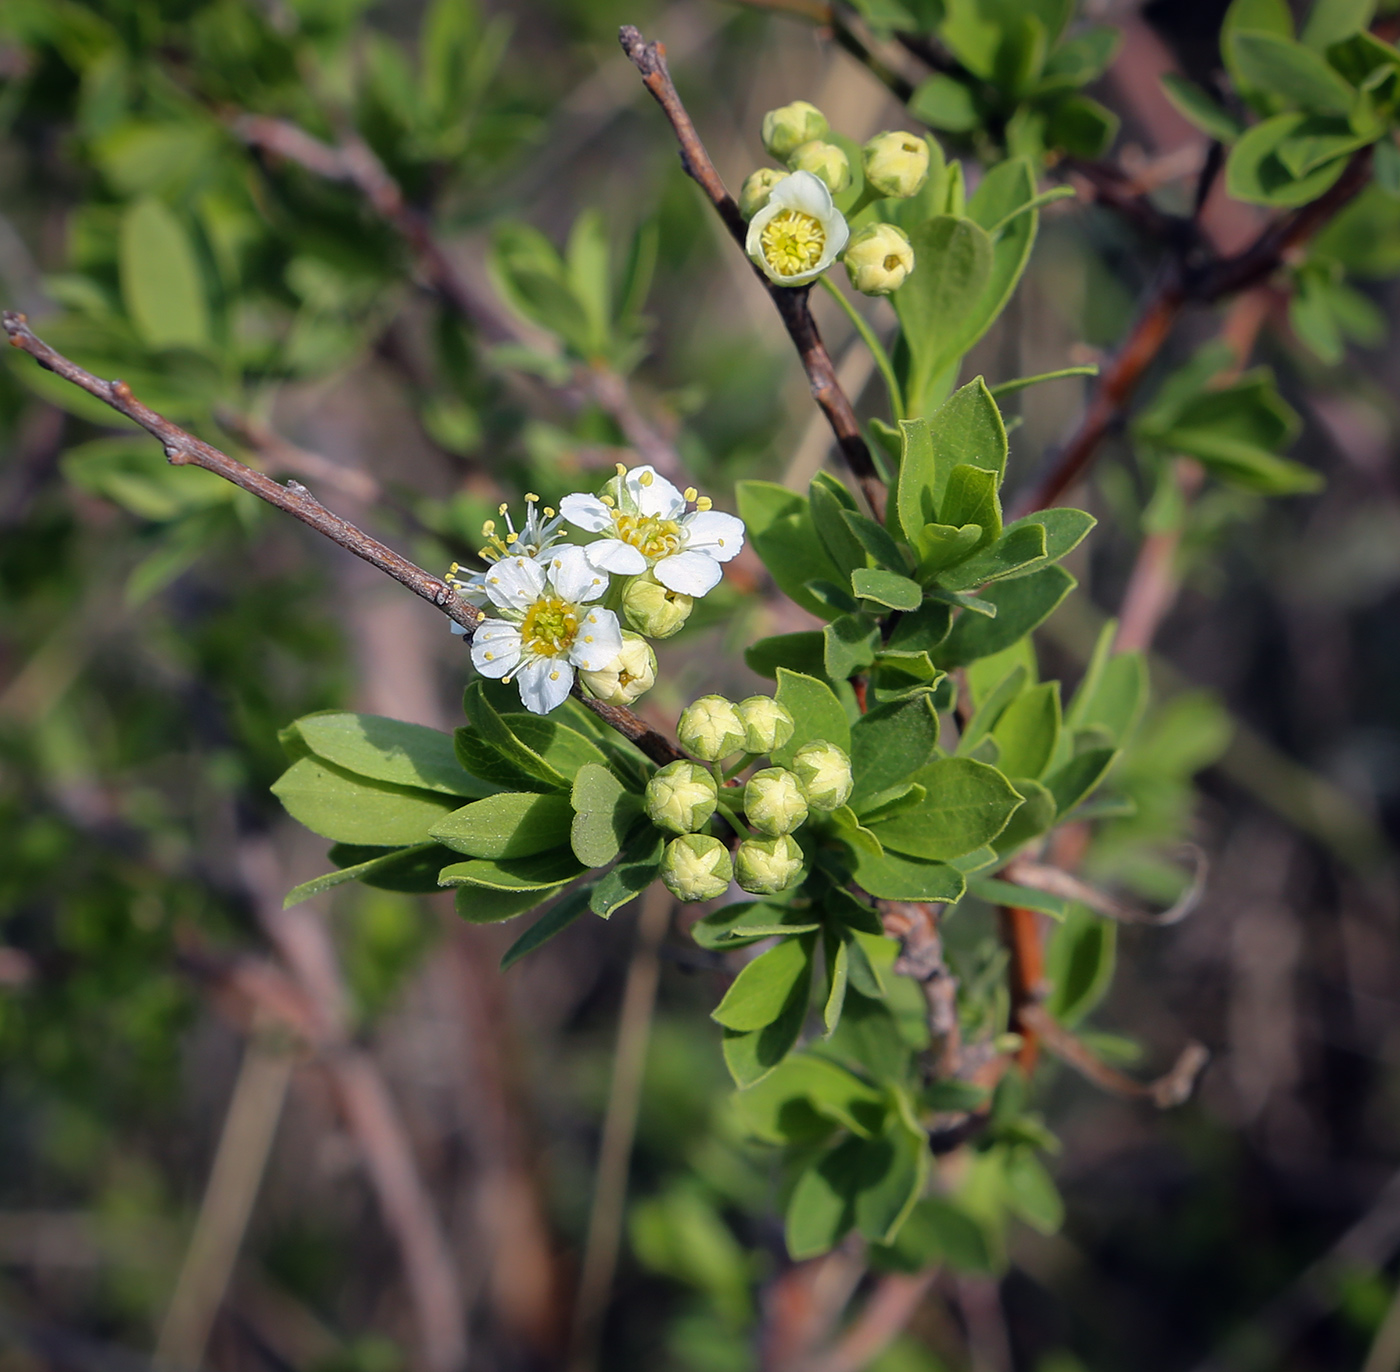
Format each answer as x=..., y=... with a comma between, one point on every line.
x=542, y=530
x=543, y=627
x=646, y=525
x=796, y=236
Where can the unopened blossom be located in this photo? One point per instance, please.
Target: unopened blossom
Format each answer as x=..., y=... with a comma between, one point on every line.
x=767, y=725
x=825, y=773
x=631, y=674
x=789, y=126
x=879, y=259
x=757, y=187
x=541, y=625
x=828, y=163
x=765, y=866
x=895, y=164
x=681, y=797
x=710, y=729
x=797, y=235
x=653, y=609
x=696, y=867
x=648, y=525
x=774, y=802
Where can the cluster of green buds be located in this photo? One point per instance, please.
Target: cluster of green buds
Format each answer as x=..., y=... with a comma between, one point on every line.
x=772, y=804
x=795, y=230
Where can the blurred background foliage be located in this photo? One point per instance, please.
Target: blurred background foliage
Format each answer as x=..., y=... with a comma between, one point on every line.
x=158, y=628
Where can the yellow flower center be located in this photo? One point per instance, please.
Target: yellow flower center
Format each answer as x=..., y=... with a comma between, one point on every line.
x=792, y=242
x=549, y=627
x=892, y=260
x=654, y=538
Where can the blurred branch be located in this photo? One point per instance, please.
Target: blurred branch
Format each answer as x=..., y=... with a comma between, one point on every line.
x=234, y=1181
x=792, y=303
x=619, y=1130
x=1020, y=933
x=353, y=162
x=888, y=1308
x=1043, y=877
x=915, y=925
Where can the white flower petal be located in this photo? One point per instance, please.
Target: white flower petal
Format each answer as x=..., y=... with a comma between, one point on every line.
x=653, y=494
x=495, y=647
x=515, y=583
x=544, y=684
x=613, y=555
x=806, y=194
x=598, y=641
x=573, y=577
x=689, y=573
x=713, y=533
x=586, y=512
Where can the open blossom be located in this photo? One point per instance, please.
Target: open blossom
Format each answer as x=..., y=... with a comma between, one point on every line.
x=543, y=627
x=797, y=235
x=646, y=524
x=543, y=528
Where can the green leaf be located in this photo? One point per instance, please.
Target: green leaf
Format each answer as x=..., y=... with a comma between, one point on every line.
x=1034, y=817
x=804, y=1098
x=944, y=102
x=1333, y=20
x=864, y=970
x=850, y=644
x=1081, y=127
x=991, y=707
x=761, y=990
x=1021, y=383
x=1256, y=175
x=537, y=873
x=412, y=870
x=340, y=805
x=1016, y=553
x=1083, y=58
x=968, y=805
x=493, y=728
x=1065, y=529
x=886, y=588
x=381, y=864
x=940, y=305
x=751, y=1054
x=1296, y=75
x=830, y=502
x=1079, y=776
x=1021, y=604
x=1112, y=693
x=1029, y=731
x=604, y=811
x=586, y=255
x=635, y=871
x=922, y=630
x=971, y=498
x=749, y=921
x=782, y=532
x=945, y=545
x=1027, y=897
x=1198, y=108
x=555, y=920
x=530, y=275
x=1004, y=190
x=388, y=750
x=816, y=712
x=821, y=1209
x=1079, y=965
x=895, y=877
x=937, y=1232
x=161, y=283
x=804, y=652
x=509, y=825
x=1244, y=465
x=850, y=831
x=478, y=905
x=1319, y=140
x=890, y=742
x=876, y=541
x=1031, y=1193
x=899, y=1162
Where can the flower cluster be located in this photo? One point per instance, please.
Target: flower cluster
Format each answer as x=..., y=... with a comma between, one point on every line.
x=555, y=610
x=795, y=230
x=770, y=806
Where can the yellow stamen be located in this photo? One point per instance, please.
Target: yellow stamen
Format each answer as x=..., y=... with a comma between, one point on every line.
x=621, y=468
x=549, y=627
x=503, y=509
x=793, y=242
x=652, y=537
x=646, y=478
x=704, y=503
x=608, y=501
x=531, y=497
x=690, y=493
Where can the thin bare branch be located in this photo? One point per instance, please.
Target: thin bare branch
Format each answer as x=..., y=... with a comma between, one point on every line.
x=1043, y=877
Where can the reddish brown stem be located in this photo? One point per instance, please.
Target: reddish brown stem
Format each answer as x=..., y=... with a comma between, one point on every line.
x=1020, y=932
x=791, y=303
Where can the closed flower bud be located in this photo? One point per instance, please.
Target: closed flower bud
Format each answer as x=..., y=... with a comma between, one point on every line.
x=774, y=802
x=825, y=773
x=711, y=729
x=653, y=609
x=696, y=867
x=825, y=161
x=789, y=127
x=896, y=163
x=630, y=674
x=766, y=866
x=681, y=797
x=878, y=259
x=767, y=725
x=754, y=193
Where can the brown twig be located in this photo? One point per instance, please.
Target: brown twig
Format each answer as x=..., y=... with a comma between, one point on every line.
x=1020, y=932
x=792, y=303
x=915, y=925
x=1043, y=877
x=888, y=1308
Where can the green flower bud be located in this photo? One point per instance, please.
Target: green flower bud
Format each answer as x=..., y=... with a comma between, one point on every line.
x=630, y=674
x=653, y=609
x=711, y=729
x=768, y=865
x=789, y=127
x=696, y=867
x=896, y=163
x=767, y=725
x=825, y=773
x=774, y=802
x=825, y=161
x=878, y=259
x=754, y=193
x=681, y=797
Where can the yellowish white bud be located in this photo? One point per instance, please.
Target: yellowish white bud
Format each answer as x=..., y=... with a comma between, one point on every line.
x=767, y=725
x=879, y=259
x=825, y=161
x=653, y=609
x=764, y=867
x=825, y=773
x=895, y=164
x=789, y=126
x=711, y=729
x=681, y=797
x=774, y=802
x=696, y=867
x=629, y=675
x=757, y=187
